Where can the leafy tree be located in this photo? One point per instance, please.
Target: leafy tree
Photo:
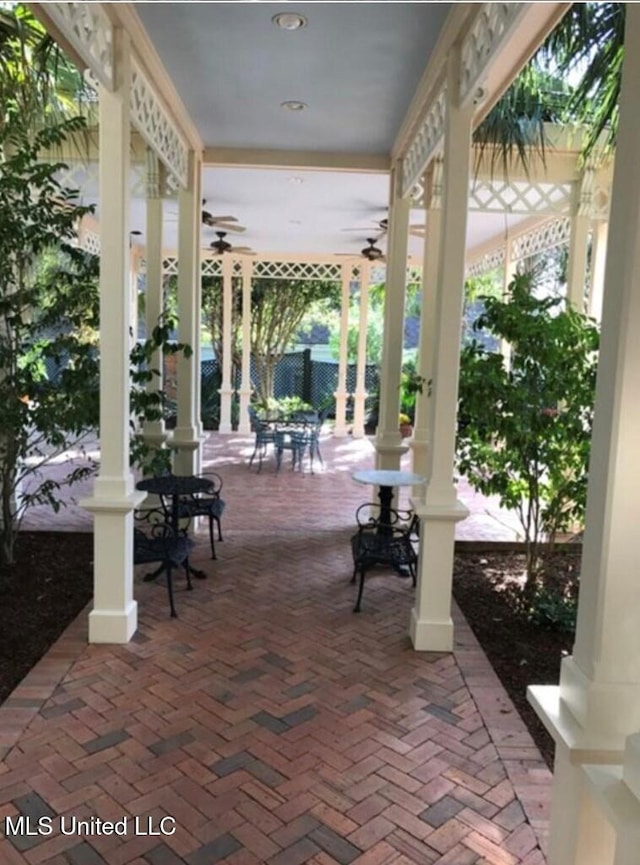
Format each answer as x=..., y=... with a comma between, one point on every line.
x=36, y=417
x=278, y=309
x=39, y=86
x=524, y=432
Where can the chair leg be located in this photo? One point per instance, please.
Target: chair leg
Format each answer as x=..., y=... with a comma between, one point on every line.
x=356, y=609
x=355, y=574
x=217, y=519
x=187, y=571
x=213, y=546
x=174, y=615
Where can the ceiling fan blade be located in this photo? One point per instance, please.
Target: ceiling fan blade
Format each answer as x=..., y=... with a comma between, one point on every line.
x=222, y=226
x=241, y=249
x=219, y=219
x=361, y=230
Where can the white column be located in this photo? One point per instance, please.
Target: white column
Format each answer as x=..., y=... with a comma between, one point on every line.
x=616, y=794
x=114, y=615
x=431, y=252
x=197, y=347
x=133, y=292
x=431, y=626
x=226, y=389
x=579, y=241
x=186, y=439
x=598, y=259
x=361, y=369
x=340, y=428
x=244, y=425
x=154, y=431
x=598, y=700
x=509, y=272
x=389, y=444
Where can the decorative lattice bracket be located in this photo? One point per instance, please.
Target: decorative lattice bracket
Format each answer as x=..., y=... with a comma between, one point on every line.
x=88, y=30
x=542, y=238
x=297, y=270
x=493, y=25
x=547, y=236
x=492, y=260
x=499, y=196
x=427, y=141
x=156, y=127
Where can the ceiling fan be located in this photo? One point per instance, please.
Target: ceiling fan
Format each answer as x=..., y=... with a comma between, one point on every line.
x=382, y=225
x=225, y=223
x=371, y=252
x=220, y=246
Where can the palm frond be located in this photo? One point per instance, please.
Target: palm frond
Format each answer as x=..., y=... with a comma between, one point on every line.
x=514, y=128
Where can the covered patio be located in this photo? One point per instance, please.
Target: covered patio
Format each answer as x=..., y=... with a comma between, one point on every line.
x=311, y=735
x=269, y=721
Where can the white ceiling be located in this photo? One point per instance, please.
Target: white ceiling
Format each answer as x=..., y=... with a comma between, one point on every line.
x=356, y=65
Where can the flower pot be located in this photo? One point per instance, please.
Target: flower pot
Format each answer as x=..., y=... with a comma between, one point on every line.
x=406, y=430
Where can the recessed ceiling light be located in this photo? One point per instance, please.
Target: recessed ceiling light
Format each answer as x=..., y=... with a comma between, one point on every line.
x=295, y=222
x=293, y=105
x=289, y=21
x=296, y=180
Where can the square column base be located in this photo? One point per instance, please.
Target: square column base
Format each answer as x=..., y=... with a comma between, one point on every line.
x=113, y=626
x=429, y=636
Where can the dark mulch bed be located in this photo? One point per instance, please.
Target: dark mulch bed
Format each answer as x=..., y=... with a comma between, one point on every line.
x=487, y=588
x=51, y=581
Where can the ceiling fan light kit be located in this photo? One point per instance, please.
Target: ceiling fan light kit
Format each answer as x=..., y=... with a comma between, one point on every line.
x=221, y=246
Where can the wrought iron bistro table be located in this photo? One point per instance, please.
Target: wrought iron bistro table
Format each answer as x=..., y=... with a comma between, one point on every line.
x=386, y=480
x=173, y=487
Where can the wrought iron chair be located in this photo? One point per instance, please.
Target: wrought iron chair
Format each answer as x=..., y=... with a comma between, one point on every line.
x=304, y=439
x=382, y=543
x=208, y=504
x=291, y=439
x=265, y=436
x=155, y=542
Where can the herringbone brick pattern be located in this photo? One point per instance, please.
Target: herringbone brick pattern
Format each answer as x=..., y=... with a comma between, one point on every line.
x=316, y=494
x=271, y=723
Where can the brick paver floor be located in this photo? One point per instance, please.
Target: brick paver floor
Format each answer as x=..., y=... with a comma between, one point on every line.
x=270, y=723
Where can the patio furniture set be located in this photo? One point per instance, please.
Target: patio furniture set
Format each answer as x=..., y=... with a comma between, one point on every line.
x=386, y=535
x=161, y=535
x=298, y=433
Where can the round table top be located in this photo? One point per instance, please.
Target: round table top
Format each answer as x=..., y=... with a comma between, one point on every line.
x=387, y=478
x=174, y=485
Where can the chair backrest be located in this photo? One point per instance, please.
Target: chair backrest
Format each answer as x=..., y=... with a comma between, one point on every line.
x=215, y=480
x=368, y=517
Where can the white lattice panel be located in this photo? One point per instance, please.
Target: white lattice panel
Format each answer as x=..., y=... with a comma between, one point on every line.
x=486, y=263
x=553, y=233
x=156, y=127
x=169, y=266
x=87, y=28
x=297, y=270
x=481, y=46
x=426, y=142
x=90, y=242
x=211, y=266
x=498, y=196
